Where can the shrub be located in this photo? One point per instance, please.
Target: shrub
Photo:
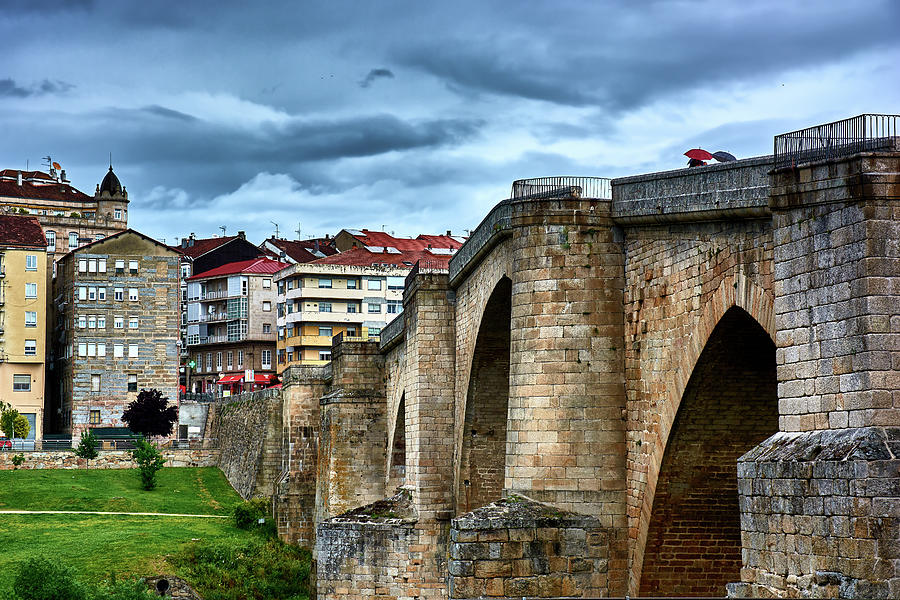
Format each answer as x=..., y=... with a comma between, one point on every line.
x=39, y=578
x=18, y=460
x=13, y=424
x=87, y=447
x=150, y=414
x=149, y=460
x=247, y=513
x=256, y=569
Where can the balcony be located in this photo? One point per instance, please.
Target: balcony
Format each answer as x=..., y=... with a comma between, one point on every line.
x=213, y=317
x=314, y=293
x=314, y=316
x=315, y=340
x=216, y=339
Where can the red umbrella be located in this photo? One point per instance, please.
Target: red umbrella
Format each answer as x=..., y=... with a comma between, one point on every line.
x=699, y=154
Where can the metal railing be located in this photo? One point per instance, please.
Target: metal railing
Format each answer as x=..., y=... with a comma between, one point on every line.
x=495, y=224
x=198, y=396
x=838, y=139
x=562, y=187
x=392, y=330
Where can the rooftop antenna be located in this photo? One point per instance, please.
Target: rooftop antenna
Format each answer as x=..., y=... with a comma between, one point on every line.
x=110, y=160
x=298, y=230
x=276, y=228
x=223, y=228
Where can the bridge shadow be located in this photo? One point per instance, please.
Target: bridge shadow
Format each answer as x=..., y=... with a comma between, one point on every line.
x=483, y=456
x=729, y=406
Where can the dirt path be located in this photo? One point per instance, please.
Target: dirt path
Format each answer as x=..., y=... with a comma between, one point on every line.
x=97, y=512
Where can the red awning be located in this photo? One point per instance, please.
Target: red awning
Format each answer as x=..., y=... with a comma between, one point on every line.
x=231, y=379
x=261, y=378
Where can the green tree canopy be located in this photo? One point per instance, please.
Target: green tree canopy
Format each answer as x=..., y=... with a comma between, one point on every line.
x=150, y=414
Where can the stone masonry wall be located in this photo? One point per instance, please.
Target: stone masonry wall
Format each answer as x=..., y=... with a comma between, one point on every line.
x=248, y=430
x=108, y=459
x=517, y=548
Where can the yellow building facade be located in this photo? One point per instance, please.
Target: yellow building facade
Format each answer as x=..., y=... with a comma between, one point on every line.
x=23, y=323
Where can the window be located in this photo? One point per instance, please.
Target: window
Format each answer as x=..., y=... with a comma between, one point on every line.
x=31, y=262
x=101, y=265
x=95, y=417
x=95, y=384
x=266, y=359
x=267, y=306
x=31, y=290
x=218, y=361
x=290, y=356
x=393, y=307
x=30, y=347
x=92, y=293
x=92, y=349
x=101, y=349
x=98, y=236
x=132, y=350
x=374, y=331
x=374, y=308
x=351, y=284
x=240, y=359
x=267, y=283
x=92, y=322
x=229, y=360
x=82, y=293
x=373, y=284
x=132, y=382
x=101, y=322
x=324, y=354
x=267, y=328
x=324, y=283
x=395, y=283
x=324, y=306
x=51, y=241
x=118, y=322
x=30, y=318
x=118, y=294
x=133, y=266
x=22, y=383
x=132, y=294
x=118, y=350
x=73, y=240
x=92, y=265
x=101, y=293
x=117, y=213
x=351, y=307
x=132, y=322
x=120, y=266
x=325, y=331
x=82, y=265
x=82, y=349
x=209, y=361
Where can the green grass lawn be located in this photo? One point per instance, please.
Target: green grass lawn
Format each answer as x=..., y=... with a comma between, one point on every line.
x=95, y=545
x=180, y=490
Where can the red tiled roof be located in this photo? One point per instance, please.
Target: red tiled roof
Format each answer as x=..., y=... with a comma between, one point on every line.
x=21, y=231
x=293, y=249
x=255, y=265
x=9, y=188
x=421, y=242
x=202, y=246
x=361, y=257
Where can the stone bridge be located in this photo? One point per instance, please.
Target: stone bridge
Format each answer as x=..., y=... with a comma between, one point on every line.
x=657, y=385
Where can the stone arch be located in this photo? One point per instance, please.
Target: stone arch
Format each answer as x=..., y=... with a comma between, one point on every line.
x=728, y=406
x=482, y=447
x=396, y=471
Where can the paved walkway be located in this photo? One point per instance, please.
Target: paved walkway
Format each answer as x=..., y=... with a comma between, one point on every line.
x=96, y=512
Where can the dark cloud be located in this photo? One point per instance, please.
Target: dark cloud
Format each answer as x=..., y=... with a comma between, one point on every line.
x=375, y=74
x=168, y=113
x=9, y=88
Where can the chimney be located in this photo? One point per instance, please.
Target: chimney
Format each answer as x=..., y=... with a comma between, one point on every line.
x=326, y=236
x=242, y=235
x=317, y=244
x=19, y=178
x=184, y=242
x=192, y=235
x=449, y=233
x=62, y=176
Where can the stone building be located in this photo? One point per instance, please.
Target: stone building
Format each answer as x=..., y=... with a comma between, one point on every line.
x=23, y=317
x=117, y=328
x=231, y=326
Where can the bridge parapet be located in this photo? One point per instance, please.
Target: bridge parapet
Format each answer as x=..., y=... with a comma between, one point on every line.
x=730, y=190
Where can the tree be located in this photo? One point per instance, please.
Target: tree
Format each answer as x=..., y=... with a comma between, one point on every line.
x=87, y=448
x=150, y=414
x=13, y=424
x=149, y=460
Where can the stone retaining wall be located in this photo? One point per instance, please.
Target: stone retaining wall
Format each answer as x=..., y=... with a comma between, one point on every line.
x=113, y=459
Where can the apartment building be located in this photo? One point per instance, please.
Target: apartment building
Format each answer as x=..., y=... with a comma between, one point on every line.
x=23, y=322
x=231, y=326
x=116, y=329
x=354, y=293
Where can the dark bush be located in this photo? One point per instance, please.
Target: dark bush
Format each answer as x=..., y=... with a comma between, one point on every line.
x=39, y=578
x=248, y=513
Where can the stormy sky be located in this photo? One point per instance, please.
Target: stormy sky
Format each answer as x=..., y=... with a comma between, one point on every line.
x=413, y=116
